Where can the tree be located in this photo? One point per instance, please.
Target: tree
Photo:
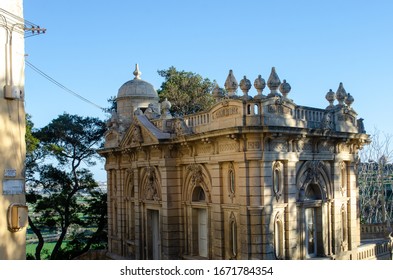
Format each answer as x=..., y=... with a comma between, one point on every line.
x=188, y=92
x=63, y=192
x=375, y=178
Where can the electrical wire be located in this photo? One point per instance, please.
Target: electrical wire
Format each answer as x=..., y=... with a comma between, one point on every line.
x=62, y=86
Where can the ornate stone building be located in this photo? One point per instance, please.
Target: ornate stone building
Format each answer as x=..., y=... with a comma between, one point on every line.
x=251, y=178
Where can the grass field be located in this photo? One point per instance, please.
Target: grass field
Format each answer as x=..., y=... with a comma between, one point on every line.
x=46, y=250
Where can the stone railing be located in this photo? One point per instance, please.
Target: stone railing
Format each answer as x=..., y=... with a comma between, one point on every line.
x=373, y=251
x=312, y=116
x=197, y=119
x=304, y=116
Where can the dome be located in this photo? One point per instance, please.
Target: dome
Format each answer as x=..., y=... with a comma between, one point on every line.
x=138, y=88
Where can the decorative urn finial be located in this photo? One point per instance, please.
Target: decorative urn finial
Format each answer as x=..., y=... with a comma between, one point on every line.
x=165, y=107
x=137, y=73
x=231, y=84
x=349, y=100
x=273, y=83
x=330, y=97
x=285, y=88
x=218, y=93
x=245, y=86
x=341, y=95
x=259, y=85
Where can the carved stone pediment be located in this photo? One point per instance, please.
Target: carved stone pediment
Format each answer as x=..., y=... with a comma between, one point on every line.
x=137, y=135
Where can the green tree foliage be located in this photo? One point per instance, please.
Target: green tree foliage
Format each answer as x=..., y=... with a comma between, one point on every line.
x=188, y=92
x=63, y=193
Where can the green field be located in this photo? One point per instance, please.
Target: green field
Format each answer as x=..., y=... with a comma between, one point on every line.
x=46, y=250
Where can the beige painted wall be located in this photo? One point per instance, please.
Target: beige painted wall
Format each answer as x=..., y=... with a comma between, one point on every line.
x=12, y=126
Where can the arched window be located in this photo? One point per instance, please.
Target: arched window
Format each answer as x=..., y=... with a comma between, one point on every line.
x=344, y=230
x=233, y=238
x=313, y=192
x=231, y=178
x=278, y=239
x=198, y=194
x=278, y=179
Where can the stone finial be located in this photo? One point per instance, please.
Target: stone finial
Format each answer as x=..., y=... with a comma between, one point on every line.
x=273, y=83
x=341, y=95
x=165, y=106
x=231, y=84
x=138, y=112
x=259, y=85
x=218, y=93
x=285, y=88
x=349, y=100
x=137, y=73
x=245, y=86
x=330, y=96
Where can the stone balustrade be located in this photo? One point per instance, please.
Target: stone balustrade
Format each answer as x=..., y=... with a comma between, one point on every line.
x=305, y=117
x=373, y=251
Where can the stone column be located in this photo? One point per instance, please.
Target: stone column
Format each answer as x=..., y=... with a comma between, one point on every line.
x=217, y=219
x=353, y=213
x=291, y=219
x=172, y=234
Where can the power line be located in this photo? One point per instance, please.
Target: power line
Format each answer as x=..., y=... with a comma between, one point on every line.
x=62, y=86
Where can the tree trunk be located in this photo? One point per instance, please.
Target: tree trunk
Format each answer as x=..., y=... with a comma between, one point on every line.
x=41, y=241
x=59, y=242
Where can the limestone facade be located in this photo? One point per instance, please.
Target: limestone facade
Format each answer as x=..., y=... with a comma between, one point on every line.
x=251, y=178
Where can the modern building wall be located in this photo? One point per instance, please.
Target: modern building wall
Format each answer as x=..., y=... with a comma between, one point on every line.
x=12, y=132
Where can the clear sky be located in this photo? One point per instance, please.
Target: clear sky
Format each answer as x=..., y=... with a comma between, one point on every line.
x=91, y=47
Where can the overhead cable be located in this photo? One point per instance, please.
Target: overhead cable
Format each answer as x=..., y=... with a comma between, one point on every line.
x=62, y=86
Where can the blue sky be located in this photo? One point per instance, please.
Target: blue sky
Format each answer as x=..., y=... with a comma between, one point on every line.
x=91, y=47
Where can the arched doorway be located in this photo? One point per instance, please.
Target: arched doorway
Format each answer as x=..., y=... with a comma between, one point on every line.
x=313, y=210
x=200, y=223
x=313, y=226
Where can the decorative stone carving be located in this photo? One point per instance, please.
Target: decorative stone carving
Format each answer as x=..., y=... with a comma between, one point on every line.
x=136, y=135
x=278, y=108
x=179, y=130
x=228, y=147
x=245, y=86
x=226, y=112
x=327, y=121
x=253, y=145
x=231, y=84
x=360, y=126
x=137, y=73
x=330, y=96
x=150, y=191
x=285, y=88
x=314, y=173
x=341, y=95
x=259, y=85
x=349, y=100
x=279, y=146
x=325, y=147
x=196, y=173
x=165, y=106
x=218, y=93
x=273, y=83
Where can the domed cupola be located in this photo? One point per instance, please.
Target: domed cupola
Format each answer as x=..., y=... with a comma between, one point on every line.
x=135, y=94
